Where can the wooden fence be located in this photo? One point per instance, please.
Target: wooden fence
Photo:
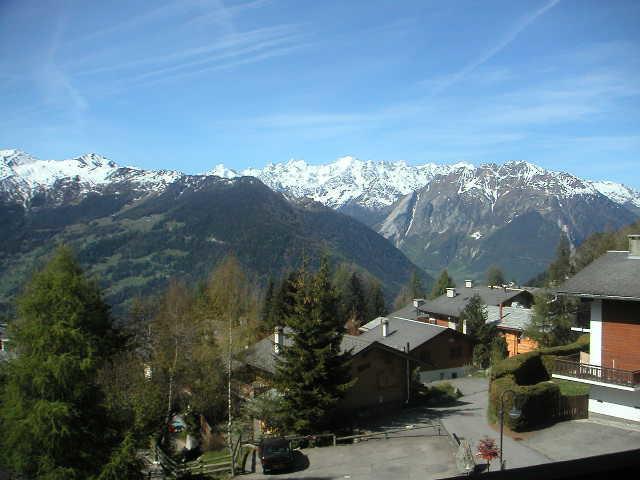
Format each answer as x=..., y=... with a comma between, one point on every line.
x=572, y=408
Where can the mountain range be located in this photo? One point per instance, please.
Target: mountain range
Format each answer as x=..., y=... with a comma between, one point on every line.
x=135, y=229
x=461, y=217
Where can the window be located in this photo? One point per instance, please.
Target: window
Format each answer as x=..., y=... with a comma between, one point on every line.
x=454, y=375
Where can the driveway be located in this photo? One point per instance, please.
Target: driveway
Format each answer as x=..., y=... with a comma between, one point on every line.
x=401, y=458
x=468, y=419
x=563, y=441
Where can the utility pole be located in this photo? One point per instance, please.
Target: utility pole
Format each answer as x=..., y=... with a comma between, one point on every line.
x=229, y=439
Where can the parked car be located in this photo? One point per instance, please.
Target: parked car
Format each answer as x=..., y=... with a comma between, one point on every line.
x=275, y=454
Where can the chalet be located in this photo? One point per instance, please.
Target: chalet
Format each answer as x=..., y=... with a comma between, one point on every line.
x=444, y=352
x=611, y=285
x=381, y=371
x=512, y=323
x=445, y=310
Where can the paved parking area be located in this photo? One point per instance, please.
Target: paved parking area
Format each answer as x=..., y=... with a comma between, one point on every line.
x=401, y=458
x=563, y=441
x=416, y=455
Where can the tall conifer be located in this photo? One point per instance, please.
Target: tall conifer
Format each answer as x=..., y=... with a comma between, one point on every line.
x=312, y=372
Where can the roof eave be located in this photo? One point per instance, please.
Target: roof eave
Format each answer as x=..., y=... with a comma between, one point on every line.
x=598, y=296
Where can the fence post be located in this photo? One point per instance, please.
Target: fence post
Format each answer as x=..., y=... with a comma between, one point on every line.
x=334, y=439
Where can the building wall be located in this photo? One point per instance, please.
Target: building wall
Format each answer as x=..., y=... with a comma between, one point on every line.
x=380, y=378
x=427, y=376
x=595, y=335
x=614, y=402
x=518, y=344
x=449, y=350
x=621, y=334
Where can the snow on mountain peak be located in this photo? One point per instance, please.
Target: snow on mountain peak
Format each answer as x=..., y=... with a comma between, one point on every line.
x=221, y=171
x=371, y=184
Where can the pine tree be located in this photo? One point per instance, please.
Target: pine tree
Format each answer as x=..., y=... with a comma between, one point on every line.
x=312, y=373
x=475, y=316
x=266, y=315
x=440, y=287
x=413, y=289
x=416, y=288
x=376, y=303
x=354, y=301
x=53, y=422
x=561, y=269
x=552, y=320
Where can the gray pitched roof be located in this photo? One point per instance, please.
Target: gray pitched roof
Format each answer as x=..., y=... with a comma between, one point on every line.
x=512, y=317
x=261, y=355
x=401, y=332
x=452, y=307
x=613, y=275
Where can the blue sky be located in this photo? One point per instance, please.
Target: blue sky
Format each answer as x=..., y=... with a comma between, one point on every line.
x=188, y=84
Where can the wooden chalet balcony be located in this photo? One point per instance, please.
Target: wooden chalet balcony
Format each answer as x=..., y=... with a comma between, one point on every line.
x=571, y=367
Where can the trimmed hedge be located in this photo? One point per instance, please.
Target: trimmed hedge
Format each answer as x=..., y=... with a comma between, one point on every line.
x=525, y=367
x=527, y=375
x=535, y=402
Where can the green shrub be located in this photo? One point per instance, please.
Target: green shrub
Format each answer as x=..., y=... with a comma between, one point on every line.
x=527, y=375
x=440, y=394
x=536, y=402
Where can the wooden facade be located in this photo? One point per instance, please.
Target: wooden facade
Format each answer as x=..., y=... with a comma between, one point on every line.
x=380, y=378
x=621, y=335
x=450, y=349
x=518, y=343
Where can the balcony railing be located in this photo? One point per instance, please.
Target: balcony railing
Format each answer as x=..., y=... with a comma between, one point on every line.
x=584, y=371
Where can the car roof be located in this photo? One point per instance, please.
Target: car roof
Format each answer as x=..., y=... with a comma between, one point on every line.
x=275, y=441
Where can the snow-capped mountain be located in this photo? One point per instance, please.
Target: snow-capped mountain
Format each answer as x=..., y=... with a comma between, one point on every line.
x=377, y=185
x=23, y=177
x=458, y=216
x=372, y=184
x=461, y=216
x=511, y=215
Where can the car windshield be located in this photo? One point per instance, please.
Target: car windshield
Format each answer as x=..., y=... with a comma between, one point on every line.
x=272, y=450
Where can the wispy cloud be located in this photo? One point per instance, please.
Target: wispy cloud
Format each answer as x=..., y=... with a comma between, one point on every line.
x=57, y=85
x=509, y=37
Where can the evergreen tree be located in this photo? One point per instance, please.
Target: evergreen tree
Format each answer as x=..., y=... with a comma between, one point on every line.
x=560, y=269
x=495, y=276
x=354, y=301
x=475, y=316
x=312, y=372
x=552, y=320
x=412, y=290
x=440, y=287
x=266, y=315
x=53, y=422
x=376, y=303
x=416, y=288
x=283, y=300
x=499, y=349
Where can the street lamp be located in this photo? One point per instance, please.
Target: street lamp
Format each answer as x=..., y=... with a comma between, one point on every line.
x=513, y=413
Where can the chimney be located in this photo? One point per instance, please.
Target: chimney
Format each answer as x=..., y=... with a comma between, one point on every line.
x=385, y=327
x=278, y=339
x=468, y=284
x=634, y=246
x=418, y=302
x=451, y=292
